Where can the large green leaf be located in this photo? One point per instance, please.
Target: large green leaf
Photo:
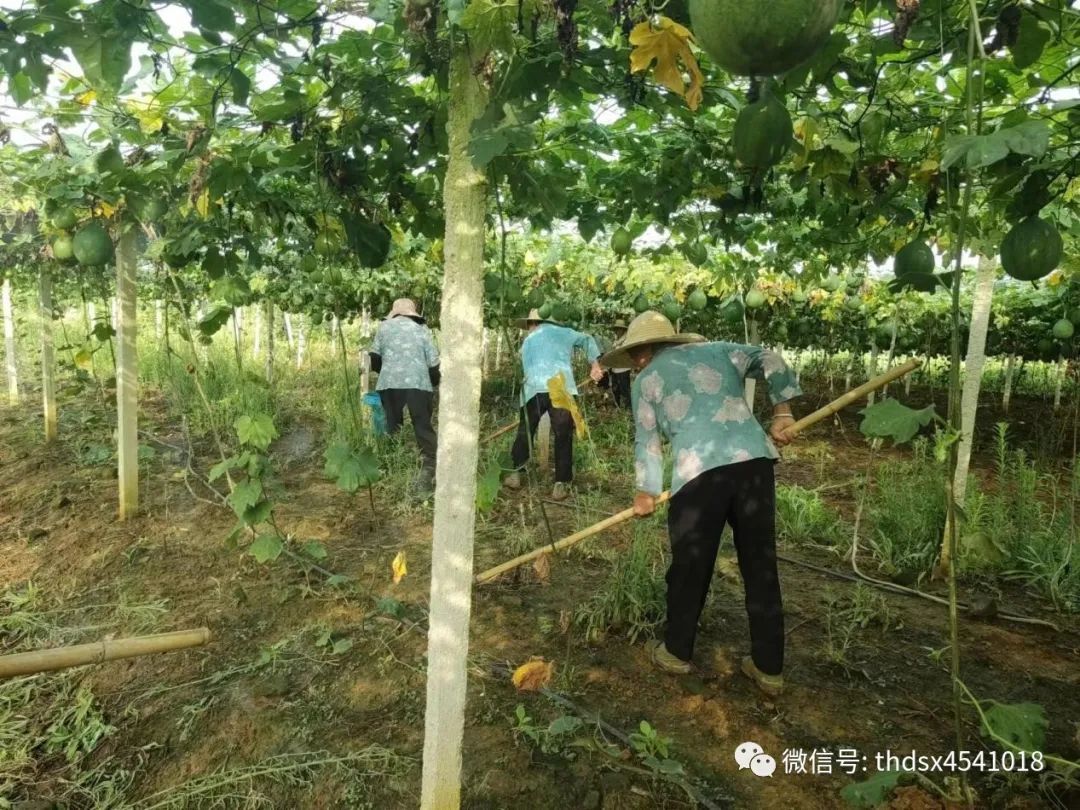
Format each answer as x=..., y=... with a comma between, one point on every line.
x=266, y=548
x=105, y=60
x=369, y=240
x=212, y=15
x=873, y=792
x=245, y=495
x=1030, y=42
x=889, y=419
x=257, y=431
x=1022, y=725
x=351, y=470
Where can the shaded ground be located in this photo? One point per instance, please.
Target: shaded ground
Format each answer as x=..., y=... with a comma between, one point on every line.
x=274, y=683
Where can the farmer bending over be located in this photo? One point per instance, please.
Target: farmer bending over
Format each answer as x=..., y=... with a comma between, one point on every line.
x=404, y=355
x=547, y=351
x=691, y=393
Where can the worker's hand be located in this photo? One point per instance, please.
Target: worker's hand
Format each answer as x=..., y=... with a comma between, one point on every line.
x=596, y=372
x=644, y=504
x=778, y=429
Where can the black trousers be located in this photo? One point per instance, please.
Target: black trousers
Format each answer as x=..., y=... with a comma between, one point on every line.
x=742, y=495
x=620, y=388
x=420, y=405
x=562, y=430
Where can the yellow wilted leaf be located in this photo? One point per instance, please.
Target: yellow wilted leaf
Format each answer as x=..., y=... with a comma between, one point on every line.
x=84, y=360
x=106, y=209
x=533, y=675
x=398, y=567
x=1055, y=278
x=542, y=567
x=667, y=43
x=87, y=98
x=202, y=204
x=560, y=398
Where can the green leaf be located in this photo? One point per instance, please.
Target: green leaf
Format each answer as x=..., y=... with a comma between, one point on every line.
x=337, y=579
x=267, y=547
x=564, y=724
x=1030, y=42
x=217, y=316
x=1023, y=725
x=1029, y=138
x=257, y=431
x=342, y=645
x=221, y=467
x=370, y=241
x=487, y=489
x=389, y=606
x=873, y=791
x=491, y=24
x=21, y=89
x=257, y=514
x=351, y=470
x=245, y=495
x=314, y=549
x=241, y=86
x=211, y=15
x=890, y=419
x=455, y=10
x=104, y=60
x=487, y=146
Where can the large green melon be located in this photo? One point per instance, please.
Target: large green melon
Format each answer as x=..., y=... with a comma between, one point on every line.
x=1031, y=250
x=92, y=245
x=914, y=257
x=762, y=37
x=62, y=249
x=763, y=133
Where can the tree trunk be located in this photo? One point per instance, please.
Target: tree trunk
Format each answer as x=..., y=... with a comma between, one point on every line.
x=459, y=432
x=1060, y=372
x=973, y=372
x=301, y=340
x=1006, y=395
x=269, y=343
x=127, y=376
x=48, y=372
x=9, y=344
x=288, y=330
x=871, y=369
x=114, y=311
x=750, y=383
x=256, y=333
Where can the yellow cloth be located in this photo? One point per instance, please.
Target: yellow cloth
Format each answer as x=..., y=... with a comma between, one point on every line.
x=561, y=399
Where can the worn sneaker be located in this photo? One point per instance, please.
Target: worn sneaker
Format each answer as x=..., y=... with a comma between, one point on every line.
x=561, y=491
x=665, y=660
x=771, y=685
x=512, y=481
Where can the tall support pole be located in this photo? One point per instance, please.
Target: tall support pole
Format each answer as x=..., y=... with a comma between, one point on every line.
x=127, y=376
x=48, y=357
x=9, y=344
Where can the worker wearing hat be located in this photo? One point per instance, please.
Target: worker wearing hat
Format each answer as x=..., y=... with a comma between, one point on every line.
x=407, y=361
x=546, y=352
x=690, y=392
x=618, y=379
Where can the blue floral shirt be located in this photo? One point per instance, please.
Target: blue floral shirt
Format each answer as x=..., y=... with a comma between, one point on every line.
x=692, y=395
x=549, y=349
x=407, y=350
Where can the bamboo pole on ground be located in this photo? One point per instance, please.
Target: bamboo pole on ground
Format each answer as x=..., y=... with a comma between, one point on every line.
x=29, y=663
x=821, y=413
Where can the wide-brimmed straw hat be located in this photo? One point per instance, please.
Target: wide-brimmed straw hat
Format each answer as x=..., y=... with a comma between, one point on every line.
x=532, y=317
x=405, y=307
x=619, y=324
x=646, y=329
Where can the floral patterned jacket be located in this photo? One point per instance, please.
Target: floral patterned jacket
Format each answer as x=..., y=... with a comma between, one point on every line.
x=408, y=352
x=692, y=395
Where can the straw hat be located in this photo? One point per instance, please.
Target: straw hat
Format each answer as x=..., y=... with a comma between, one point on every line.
x=532, y=317
x=405, y=307
x=646, y=329
x=619, y=324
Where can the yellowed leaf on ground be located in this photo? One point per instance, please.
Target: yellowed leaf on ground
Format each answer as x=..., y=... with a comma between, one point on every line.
x=667, y=43
x=398, y=567
x=560, y=398
x=542, y=567
x=533, y=675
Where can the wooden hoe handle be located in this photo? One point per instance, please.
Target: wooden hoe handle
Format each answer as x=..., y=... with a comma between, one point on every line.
x=821, y=413
x=28, y=663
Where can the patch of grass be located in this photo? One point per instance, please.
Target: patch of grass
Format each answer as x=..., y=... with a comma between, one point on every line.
x=846, y=615
x=632, y=600
x=803, y=518
x=906, y=509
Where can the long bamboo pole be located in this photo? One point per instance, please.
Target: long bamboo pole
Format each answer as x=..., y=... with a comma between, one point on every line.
x=821, y=413
x=28, y=663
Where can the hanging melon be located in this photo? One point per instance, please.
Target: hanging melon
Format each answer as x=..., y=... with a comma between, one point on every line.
x=92, y=245
x=1031, y=250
